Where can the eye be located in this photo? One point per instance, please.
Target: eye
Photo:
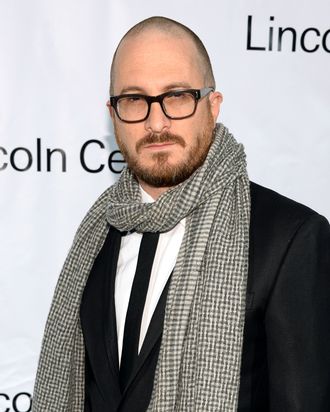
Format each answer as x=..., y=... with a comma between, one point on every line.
x=178, y=95
x=132, y=101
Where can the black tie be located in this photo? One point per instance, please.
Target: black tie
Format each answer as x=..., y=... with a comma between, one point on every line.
x=136, y=305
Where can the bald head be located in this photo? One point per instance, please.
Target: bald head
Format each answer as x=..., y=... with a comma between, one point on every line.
x=170, y=28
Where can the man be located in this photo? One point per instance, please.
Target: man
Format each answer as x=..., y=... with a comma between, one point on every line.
x=187, y=288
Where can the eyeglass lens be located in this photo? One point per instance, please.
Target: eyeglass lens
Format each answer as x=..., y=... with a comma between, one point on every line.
x=176, y=106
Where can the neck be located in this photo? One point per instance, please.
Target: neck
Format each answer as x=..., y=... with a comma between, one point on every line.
x=154, y=192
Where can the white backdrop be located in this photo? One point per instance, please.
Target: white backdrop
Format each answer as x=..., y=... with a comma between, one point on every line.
x=56, y=137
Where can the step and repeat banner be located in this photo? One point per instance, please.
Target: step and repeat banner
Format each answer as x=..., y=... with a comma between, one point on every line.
x=57, y=150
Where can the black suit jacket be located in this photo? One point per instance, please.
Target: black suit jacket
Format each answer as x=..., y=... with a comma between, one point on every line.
x=285, y=357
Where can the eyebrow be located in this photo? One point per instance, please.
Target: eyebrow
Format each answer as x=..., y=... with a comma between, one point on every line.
x=171, y=86
x=177, y=85
x=131, y=89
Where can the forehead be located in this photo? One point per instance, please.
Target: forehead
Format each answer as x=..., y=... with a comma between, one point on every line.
x=154, y=60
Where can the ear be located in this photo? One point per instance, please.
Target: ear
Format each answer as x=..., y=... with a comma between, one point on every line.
x=215, y=101
x=111, y=111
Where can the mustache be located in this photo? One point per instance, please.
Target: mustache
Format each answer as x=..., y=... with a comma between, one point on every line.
x=159, y=138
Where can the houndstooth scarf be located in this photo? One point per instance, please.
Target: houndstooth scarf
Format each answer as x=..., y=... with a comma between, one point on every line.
x=199, y=361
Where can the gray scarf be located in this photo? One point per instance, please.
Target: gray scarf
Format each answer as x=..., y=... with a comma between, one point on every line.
x=199, y=362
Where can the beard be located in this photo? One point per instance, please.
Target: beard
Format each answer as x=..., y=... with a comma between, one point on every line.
x=162, y=173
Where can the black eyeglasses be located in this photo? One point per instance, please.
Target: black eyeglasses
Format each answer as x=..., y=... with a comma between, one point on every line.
x=176, y=104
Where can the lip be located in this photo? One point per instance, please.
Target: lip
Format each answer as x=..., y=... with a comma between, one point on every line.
x=159, y=146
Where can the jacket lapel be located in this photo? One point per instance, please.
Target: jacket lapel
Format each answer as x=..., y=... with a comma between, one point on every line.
x=110, y=324
x=99, y=320
x=98, y=329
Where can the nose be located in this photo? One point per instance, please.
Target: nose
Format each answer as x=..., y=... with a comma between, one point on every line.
x=157, y=122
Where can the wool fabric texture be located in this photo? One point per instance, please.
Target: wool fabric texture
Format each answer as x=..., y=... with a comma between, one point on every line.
x=199, y=361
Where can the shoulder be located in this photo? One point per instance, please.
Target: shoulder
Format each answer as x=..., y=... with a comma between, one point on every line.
x=282, y=231
x=276, y=216
x=266, y=204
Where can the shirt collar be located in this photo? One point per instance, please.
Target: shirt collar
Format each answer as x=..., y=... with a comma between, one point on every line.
x=145, y=197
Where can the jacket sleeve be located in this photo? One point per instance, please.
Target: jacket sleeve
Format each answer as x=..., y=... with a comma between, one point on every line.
x=297, y=323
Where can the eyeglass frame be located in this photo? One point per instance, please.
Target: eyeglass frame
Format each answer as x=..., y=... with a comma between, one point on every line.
x=198, y=94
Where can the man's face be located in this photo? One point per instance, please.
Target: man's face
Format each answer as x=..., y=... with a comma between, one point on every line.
x=162, y=152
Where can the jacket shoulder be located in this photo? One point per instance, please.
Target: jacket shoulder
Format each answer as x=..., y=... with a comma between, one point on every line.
x=275, y=224
x=269, y=207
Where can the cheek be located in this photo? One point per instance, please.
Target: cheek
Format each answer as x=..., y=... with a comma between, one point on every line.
x=127, y=137
x=123, y=135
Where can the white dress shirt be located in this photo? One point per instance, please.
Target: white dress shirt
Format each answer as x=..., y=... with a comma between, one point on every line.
x=166, y=254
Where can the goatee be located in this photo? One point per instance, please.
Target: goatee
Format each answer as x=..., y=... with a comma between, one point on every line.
x=163, y=173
